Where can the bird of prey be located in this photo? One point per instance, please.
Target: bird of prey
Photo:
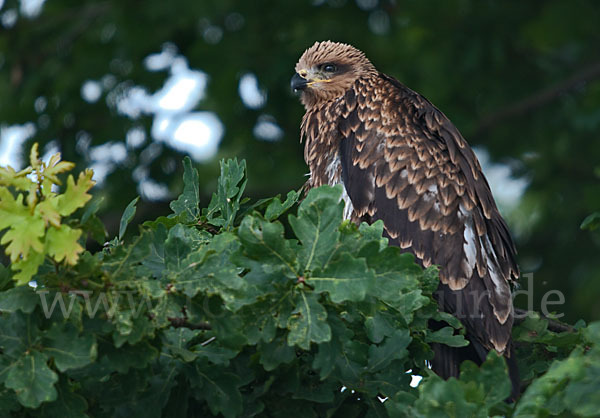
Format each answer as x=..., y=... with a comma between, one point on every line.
x=401, y=160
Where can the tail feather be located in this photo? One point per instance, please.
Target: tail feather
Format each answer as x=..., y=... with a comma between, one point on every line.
x=447, y=360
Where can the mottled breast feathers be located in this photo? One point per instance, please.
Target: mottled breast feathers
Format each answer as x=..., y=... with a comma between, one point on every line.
x=402, y=161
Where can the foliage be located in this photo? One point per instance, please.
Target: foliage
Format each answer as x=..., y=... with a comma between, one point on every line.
x=32, y=211
x=273, y=308
x=519, y=79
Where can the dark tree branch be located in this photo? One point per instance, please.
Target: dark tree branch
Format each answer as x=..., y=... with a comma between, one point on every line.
x=538, y=99
x=183, y=323
x=553, y=325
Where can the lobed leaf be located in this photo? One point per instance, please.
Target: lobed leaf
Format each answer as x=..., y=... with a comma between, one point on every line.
x=347, y=278
x=188, y=203
x=32, y=380
x=308, y=322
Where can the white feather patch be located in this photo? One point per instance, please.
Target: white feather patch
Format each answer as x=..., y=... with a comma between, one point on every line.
x=333, y=171
x=348, y=208
x=470, y=241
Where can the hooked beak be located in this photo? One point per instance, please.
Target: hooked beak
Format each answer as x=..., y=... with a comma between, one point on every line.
x=298, y=82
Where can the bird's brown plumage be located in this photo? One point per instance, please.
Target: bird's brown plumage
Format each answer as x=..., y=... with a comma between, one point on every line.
x=401, y=160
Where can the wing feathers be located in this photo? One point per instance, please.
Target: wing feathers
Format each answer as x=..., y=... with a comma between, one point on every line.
x=405, y=163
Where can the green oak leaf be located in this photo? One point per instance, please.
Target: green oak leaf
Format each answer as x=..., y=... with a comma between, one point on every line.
x=276, y=208
x=155, y=239
x=317, y=225
x=225, y=203
x=68, y=403
x=177, y=342
x=395, y=273
x=308, y=322
x=488, y=383
x=374, y=233
x=591, y=222
x=210, y=270
x=410, y=302
x=32, y=380
x=138, y=324
x=8, y=401
x=329, y=352
x=347, y=278
x=92, y=209
x=23, y=298
x=18, y=333
x=274, y=353
x=379, y=326
x=265, y=241
x=127, y=216
x=352, y=362
x=177, y=246
x=187, y=204
x=260, y=318
x=215, y=353
x=393, y=348
x=220, y=389
x=69, y=349
x=445, y=398
x=446, y=336
x=136, y=356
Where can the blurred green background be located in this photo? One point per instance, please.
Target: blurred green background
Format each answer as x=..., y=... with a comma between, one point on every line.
x=129, y=87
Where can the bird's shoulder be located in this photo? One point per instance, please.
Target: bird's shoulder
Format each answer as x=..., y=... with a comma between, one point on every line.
x=384, y=118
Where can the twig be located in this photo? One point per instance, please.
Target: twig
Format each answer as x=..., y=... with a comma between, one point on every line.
x=183, y=323
x=207, y=342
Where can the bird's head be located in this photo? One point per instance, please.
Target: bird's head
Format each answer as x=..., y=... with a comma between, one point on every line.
x=327, y=70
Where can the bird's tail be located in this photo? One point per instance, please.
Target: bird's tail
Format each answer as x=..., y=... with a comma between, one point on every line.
x=446, y=362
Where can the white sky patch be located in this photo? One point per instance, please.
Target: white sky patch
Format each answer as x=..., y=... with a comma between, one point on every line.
x=9, y=18
x=151, y=190
x=199, y=133
x=367, y=4
x=11, y=141
x=162, y=126
x=175, y=124
x=30, y=8
x=133, y=102
x=91, y=91
x=196, y=133
x=182, y=91
x=252, y=96
x=135, y=138
x=40, y=104
x=109, y=151
x=162, y=60
x=507, y=190
x=50, y=149
x=101, y=170
x=415, y=380
x=105, y=158
x=266, y=128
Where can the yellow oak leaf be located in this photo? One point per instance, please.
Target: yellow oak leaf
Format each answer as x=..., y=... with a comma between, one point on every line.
x=61, y=244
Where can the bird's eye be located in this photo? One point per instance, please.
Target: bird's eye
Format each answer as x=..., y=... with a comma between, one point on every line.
x=329, y=68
